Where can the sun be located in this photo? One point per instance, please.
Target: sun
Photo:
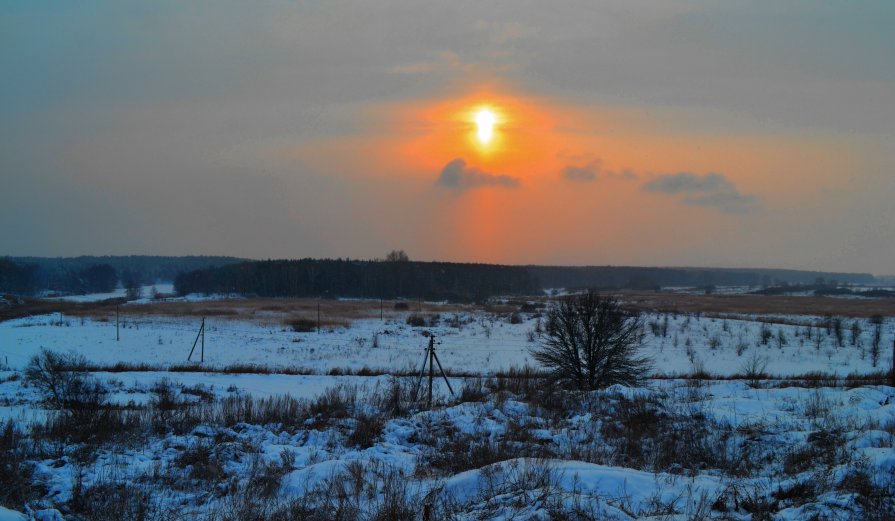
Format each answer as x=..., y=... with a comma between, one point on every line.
x=485, y=120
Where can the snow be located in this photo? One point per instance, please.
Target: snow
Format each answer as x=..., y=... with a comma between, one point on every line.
x=770, y=419
x=162, y=288
x=482, y=344
x=617, y=484
x=11, y=515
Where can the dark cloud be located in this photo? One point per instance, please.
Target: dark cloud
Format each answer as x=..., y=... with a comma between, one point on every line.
x=587, y=172
x=626, y=174
x=458, y=176
x=592, y=170
x=712, y=189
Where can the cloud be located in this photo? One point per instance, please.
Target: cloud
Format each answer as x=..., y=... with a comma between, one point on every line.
x=587, y=172
x=592, y=170
x=626, y=174
x=458, y=176
x=711, y=189
x=444, y=61
x=502, y=33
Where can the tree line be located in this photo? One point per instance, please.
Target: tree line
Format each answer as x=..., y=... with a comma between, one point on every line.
x=360, y=279
x=28, y=279
x=396, y=276
x=94, y=274
x=390, y=277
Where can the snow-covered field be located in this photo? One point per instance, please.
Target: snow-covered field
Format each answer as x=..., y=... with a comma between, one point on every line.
x=671, y=450
x=145, y=291
x=467, y=343
x=214, y=445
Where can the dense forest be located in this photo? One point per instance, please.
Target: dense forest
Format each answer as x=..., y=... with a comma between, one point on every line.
x=94, y=274
x=653, y=278
x=396, y=276
x=454, y=281
x=363, y=279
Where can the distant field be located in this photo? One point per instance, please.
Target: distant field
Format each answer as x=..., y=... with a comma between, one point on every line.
x=745, y=391
x=760, y=304
x=342, y=312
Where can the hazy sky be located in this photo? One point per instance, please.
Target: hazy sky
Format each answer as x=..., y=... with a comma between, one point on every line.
x=753, y=134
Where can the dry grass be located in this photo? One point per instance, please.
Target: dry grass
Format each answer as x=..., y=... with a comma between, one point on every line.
x=758, y=304
x=29, y=306
x=285, y=312
x=339, y=313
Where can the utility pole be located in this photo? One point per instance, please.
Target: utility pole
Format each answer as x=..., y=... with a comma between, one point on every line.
x=199, y=335
x=380, y=309
x=318, y=317
x=431, y=359
x=117, y=321
x=431, y=369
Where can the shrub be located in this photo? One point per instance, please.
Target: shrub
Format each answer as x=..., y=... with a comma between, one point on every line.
x=366, y=431
x=303, y=325
x=108, y=501
x=335, y=402
x=265, y=478
x=765, y=334
x=59, y=377
x=753, y=369
x=16, y=486
x=415, y=320
x=202, y=463
x=591, y=342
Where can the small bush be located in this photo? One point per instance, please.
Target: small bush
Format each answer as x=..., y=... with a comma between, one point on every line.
x=203, y=466
x=303, y=325
x=114, y=502
x=59, y=377
x=336, y=402
x=16, y=472
x=415, y=320
x=367, y=430
x=472, y=391
x=765, y=334
x=265, y=478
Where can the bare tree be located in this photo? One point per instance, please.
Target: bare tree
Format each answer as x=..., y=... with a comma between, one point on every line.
x=397, y=256
x=58, y=376
x=590, y=342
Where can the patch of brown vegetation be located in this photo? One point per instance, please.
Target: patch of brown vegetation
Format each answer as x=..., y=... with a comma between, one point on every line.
x=340, y=313
x=26, y=307
x=283, y=312
x=758, y=304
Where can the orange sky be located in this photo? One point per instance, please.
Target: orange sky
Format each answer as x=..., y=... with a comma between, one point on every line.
x=548, y=218
x=700, y=134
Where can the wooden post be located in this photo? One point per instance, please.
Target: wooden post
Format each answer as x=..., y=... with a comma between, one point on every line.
x=380, y=309
x=892, y=378
x=117, y=321
x=200, y=334
x=202, y=352
x=318, y=317
x=431, y=369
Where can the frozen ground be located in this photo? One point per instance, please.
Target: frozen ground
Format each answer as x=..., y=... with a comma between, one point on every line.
x=219, y=446
x=146, y=291
x=670, y=450
x=476, y=343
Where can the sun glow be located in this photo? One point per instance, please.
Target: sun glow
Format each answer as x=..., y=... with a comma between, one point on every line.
x=485, y=120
